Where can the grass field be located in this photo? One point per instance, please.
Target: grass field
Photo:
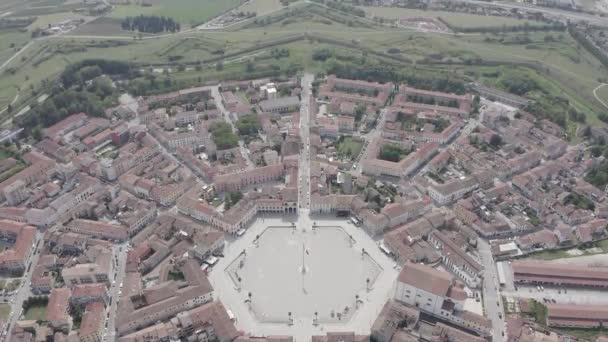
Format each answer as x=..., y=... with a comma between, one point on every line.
x=36, y=313
x=586, y=334
x=5, y=311
x=349, y=148
x=45, y=9
x=453, y=18
x=602, y=93
x=13, y=285
x=563, y=67
x=10, y=41
x=260, y=7
x=103, y=26
x=187, y=12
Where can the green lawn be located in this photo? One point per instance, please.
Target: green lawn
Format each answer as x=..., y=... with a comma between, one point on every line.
x=187, y=12
x=13, y=285
x=36, y=313
x=10, y=42
x=349, y=148
x=587, y=334
x=5, y=311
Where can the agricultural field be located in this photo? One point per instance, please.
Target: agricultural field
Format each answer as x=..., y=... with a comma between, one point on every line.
x=190, y=13
x=260, y=7
x=456, y=19
x=561, y=66
x=41, y=8
x=103, y=26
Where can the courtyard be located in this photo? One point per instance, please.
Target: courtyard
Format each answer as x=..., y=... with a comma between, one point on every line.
x=314, y=273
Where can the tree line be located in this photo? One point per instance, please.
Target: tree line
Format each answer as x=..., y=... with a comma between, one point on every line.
x=581, y=38
x=385, y=73
x=81, y=87
x=150, y=24
x=525, y=27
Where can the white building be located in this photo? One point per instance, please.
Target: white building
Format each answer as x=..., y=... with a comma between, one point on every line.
x=424, y=287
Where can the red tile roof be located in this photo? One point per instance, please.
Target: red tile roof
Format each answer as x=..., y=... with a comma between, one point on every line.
x=426, y=278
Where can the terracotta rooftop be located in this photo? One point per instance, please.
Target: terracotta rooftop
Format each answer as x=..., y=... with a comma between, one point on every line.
x=426, y=278
x=93, y=319
x=57, y=309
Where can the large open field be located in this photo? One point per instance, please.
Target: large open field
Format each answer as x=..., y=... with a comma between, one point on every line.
x=10, y=40
x=456, y=19
x=552, y=58
x=602, y=93
x=261, y=7
x=188, y=12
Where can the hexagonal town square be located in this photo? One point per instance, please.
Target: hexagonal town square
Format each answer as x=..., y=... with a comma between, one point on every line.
x=288, y=276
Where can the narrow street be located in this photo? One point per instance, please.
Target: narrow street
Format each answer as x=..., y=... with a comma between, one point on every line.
x=119, y=253
x=304, y=162
x=24, y=291
x=492, y=299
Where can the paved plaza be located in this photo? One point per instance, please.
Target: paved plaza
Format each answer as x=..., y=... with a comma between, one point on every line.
x=316, y=274
x=336, y=271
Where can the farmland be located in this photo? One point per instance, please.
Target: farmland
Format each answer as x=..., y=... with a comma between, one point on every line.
x=261, y=7
x=453, y=18
x=561, y=66
x=189, y=13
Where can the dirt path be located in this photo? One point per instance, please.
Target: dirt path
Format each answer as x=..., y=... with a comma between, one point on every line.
x=597, y=97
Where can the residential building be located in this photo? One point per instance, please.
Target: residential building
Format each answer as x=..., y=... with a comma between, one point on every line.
x=280, y=105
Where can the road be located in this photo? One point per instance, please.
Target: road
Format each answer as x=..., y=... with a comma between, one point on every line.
x=372, y=135
x=24, y=291
x=120, y=259
x=492, y=299
x=215, y=92
x=304, y=162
